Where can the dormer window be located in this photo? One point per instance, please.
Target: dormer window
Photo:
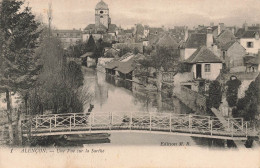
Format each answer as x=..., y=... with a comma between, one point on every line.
x=101, y=12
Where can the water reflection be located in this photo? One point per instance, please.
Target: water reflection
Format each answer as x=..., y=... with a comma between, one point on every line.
x=112, y=94
x=109, y=94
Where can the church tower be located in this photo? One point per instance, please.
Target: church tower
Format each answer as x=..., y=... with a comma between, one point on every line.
x=102, y=14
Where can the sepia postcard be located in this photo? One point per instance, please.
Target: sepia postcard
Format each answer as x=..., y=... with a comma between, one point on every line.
x=129, y=83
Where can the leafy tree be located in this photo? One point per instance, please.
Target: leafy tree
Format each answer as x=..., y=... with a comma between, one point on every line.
x=58, y=83
x=19, y=67
x=232, y=91
x=91, y=45
x=215, y=95
x=247, y=107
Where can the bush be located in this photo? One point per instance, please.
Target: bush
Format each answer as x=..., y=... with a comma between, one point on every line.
x=232, y=91
x=215, y=95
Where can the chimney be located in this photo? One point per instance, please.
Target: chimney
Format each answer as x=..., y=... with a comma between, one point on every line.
x=186, y=34
x=257, y=36
x=209, y=38
x=245, y=26
x=221, y=27
x=211, y=24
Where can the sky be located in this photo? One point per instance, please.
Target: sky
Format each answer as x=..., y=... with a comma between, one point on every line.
x=68, y=14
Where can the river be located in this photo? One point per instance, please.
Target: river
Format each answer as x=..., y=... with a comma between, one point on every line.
x=110, y=95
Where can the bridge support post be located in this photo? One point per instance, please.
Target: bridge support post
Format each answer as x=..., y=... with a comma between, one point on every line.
x=74, y=120
x=36, y=122
x=131, y=120
x=242, y=121
x=70, y=123
x=170, y=123
x=150, y=122
x=246, y=129
x=55, y=120
x=211, y=127
x=50, y=124
x=111, y=120
x=228, y=124
x=90, y=122
x=190, y=123
x=232, y=129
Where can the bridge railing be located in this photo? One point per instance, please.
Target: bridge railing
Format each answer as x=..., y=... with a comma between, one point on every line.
x=169, y=122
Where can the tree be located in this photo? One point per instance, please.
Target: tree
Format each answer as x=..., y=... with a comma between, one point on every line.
x=163, y=59
x=58, y=82
x=232, y=91
x=19, y=67
x=91, y=45
x=248, y=106
x=215, y=95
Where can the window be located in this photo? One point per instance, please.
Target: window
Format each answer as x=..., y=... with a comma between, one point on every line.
x=250, y=44
x=207, y=67
x=101, y=12
x=101, y=16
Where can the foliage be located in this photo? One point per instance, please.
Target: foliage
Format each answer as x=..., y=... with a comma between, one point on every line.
x=232, y=91
x=19, y=67
x=91, y=45
x=163, y=57
x=247, y=106
x=215, y=95
x=57, y=86
x=77, y=50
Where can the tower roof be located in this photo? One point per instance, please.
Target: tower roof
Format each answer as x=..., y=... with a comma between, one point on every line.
x=102, y=5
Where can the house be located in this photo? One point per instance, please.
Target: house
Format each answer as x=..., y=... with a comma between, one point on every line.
x=249, y=38
x=204, y=64
x=233, y=54
x=124, y=66
x=225, y=37
x=193, y=42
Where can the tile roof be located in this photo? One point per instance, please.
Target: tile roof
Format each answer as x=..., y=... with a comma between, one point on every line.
x=128, y=66
x=225, y=37
x=203, y=54
x=196, y=40
x=241, y=33
x=167, y=41
x=92, y=28
x=228, y=45
x=249, y=34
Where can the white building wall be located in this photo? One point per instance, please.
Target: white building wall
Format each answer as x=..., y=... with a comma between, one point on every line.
x=256, y=45
x=214, y=70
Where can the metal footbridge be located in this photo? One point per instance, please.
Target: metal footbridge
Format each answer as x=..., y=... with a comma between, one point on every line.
x=154, y=123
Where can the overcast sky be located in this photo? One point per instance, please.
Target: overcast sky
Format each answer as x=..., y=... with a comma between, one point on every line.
x=68, y=14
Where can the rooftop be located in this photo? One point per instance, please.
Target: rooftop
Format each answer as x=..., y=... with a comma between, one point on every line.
x=196, y=40
x=203, y=54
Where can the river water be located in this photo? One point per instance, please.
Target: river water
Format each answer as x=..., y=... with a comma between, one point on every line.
x=110, y=95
